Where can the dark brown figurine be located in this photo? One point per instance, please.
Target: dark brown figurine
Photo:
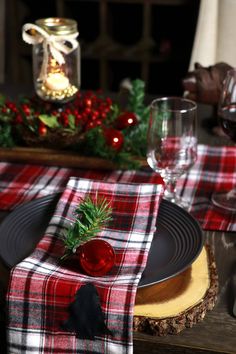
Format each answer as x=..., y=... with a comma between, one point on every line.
x=204, y=84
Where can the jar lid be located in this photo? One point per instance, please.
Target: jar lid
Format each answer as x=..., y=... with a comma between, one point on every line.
x=57, y=26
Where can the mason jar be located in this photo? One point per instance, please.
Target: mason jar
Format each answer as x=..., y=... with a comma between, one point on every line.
x=56, y=58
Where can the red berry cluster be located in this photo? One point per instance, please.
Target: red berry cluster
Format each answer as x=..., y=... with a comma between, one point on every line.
x=88, y=110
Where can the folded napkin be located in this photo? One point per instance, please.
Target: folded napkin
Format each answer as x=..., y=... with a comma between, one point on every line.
x=41, y=288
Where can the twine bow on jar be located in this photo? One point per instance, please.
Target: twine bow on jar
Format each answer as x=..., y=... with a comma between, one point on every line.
x=54, y=40
x=57, y=44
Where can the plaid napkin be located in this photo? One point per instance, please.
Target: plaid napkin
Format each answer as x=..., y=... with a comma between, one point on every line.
x=41, y=288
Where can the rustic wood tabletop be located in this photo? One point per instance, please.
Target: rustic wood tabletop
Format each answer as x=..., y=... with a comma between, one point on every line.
x=217, y=332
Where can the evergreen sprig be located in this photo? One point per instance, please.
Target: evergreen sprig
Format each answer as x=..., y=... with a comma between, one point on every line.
x=95, y=145
x=6, y=139
x=91, y=217
x=136, y=137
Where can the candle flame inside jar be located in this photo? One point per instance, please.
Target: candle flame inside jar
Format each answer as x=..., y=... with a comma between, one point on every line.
x=57, y=81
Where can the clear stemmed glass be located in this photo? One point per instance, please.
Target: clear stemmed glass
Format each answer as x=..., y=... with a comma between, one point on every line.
x=227, y=119
x=172, y=141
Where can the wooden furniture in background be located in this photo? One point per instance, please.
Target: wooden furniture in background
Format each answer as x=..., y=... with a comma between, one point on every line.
x=149, y=39
x=2, y=40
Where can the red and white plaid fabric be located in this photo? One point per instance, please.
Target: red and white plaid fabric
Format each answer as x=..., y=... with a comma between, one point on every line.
x=215, y=170
x=20, y=183
x=41, y=288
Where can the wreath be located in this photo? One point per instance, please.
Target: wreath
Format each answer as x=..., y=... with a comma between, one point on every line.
x=92, y=124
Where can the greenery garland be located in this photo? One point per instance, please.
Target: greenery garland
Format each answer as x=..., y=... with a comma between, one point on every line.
x=92, y=125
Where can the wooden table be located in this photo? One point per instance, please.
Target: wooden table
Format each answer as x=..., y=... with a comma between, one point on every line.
x=217, y=332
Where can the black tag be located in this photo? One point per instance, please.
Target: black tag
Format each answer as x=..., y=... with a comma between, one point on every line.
x=86, y=318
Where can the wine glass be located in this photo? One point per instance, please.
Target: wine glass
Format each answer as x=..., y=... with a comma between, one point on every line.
x=172, y=141
x=227, y=120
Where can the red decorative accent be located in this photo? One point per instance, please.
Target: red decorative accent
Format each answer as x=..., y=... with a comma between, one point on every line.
x=96, y=257
x=88, y=109
x=42, y=129
x=125, y=120
x=114, y=138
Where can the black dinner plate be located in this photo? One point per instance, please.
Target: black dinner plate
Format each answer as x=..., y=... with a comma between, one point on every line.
x=177, y=242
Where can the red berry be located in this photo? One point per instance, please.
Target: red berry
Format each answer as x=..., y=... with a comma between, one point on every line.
x=94, y=115
x=26, y=109
x=90, y=125
x=96, y=257
x=19, y=119
x=114, y=138
x=87, y=110
x=11, y=105
x=88, y=102
x=126, y=119
x=109, y=101
x=42, y=129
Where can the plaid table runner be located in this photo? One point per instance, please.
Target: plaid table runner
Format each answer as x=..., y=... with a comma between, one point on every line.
x=41, y=288
x=20, y=183
x=214, y=171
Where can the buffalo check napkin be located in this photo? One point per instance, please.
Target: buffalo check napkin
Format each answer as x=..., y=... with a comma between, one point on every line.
x=41, y=288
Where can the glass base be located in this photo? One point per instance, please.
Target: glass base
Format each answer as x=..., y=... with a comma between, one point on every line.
x=226, y=201
x=176, y=200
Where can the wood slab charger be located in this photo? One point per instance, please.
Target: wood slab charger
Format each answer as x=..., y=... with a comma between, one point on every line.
x=180, y=302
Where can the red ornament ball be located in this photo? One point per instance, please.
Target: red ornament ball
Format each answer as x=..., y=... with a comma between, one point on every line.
x=96, y=257
x=114, y=138
x=126, y=119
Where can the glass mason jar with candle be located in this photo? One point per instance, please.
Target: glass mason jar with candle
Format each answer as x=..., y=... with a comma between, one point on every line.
x=56, y=58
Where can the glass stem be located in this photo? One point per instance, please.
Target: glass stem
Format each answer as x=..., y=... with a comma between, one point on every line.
x=170, y=190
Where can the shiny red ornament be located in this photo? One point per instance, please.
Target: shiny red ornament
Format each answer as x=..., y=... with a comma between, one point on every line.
x=125, y=120
x=96, y=257
x=114, y=138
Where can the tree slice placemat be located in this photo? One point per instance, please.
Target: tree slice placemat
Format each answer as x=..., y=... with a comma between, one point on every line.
x=180, y=302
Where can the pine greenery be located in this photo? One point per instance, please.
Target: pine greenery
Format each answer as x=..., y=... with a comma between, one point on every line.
x=134, y=137
x=91, y=217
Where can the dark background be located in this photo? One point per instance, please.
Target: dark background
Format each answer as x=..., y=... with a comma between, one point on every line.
x=119, y=26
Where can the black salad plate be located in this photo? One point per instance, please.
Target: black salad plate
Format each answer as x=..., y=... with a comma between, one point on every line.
x=177, y=242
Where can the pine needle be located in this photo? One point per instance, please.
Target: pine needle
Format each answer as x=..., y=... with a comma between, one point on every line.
x=91, y=217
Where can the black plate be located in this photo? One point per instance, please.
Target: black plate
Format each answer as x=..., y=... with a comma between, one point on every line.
x=176, y=244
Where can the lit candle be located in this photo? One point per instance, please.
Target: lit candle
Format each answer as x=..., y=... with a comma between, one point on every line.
x=57, y=82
